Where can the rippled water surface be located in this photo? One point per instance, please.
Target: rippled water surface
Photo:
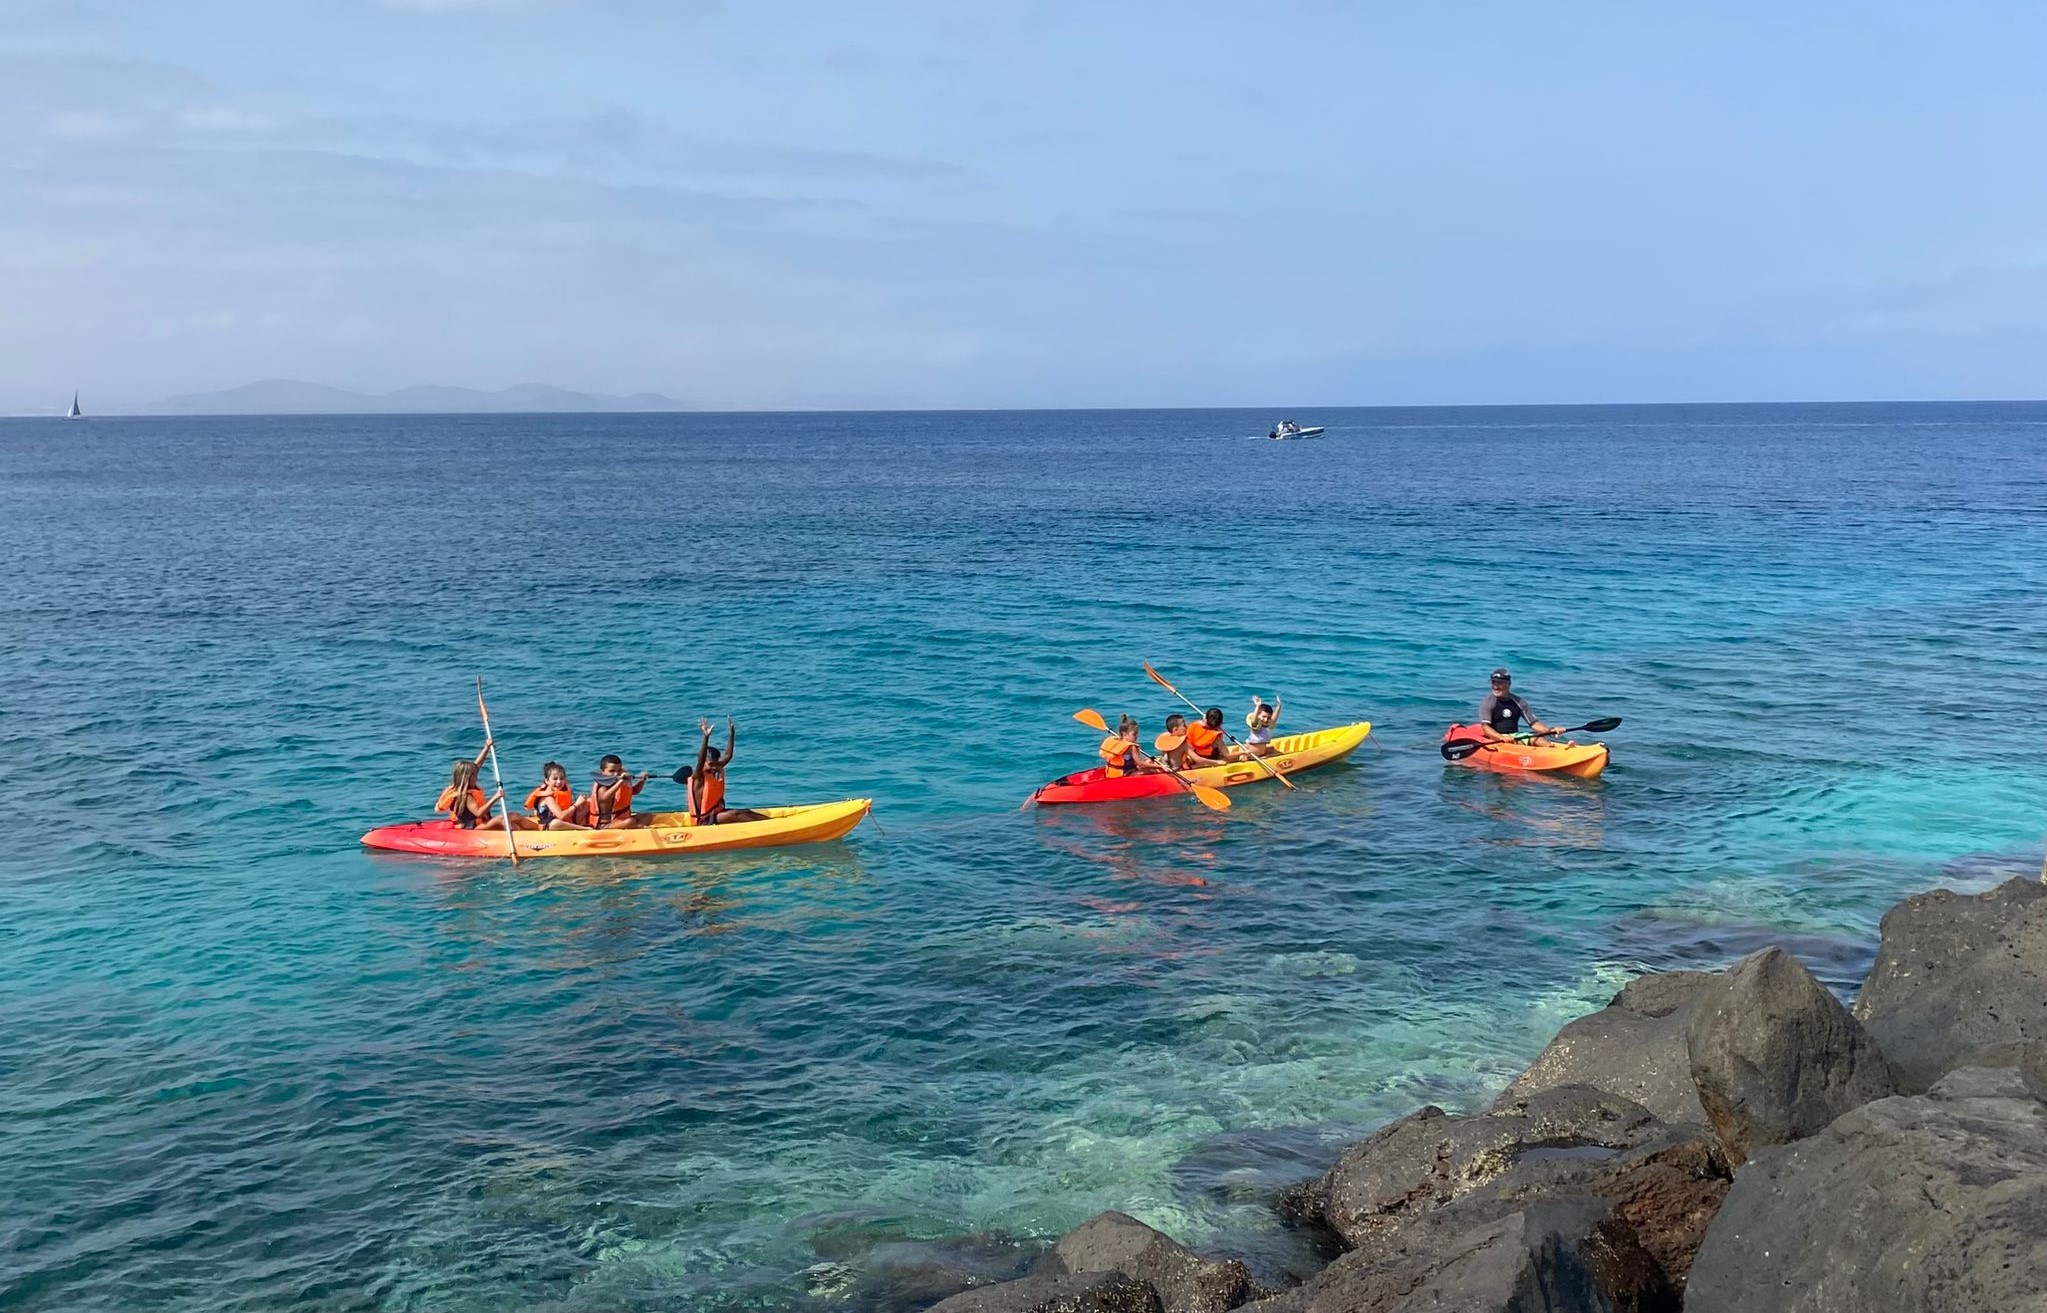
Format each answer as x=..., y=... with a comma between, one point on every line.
x=245, y=1064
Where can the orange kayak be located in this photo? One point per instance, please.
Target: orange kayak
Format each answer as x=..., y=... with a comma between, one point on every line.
x=1547, y=757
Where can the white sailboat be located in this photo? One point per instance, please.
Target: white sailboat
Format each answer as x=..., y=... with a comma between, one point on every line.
x=74, y=412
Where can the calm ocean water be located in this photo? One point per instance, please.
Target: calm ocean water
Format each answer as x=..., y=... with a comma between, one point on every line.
x=245, y=1065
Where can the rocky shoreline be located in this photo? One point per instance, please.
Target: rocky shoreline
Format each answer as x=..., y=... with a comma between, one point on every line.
x=1712, y=1142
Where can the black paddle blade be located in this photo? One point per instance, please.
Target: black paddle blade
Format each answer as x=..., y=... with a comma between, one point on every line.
x=1601, y=726
x=1459, y=749
x=681, y=775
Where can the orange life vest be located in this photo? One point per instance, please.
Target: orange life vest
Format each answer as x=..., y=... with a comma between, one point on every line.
x=1203, y=741
x=709, y=789
x=560, y=802
x=1119, y=756
x=611, y=802
x=479, y=803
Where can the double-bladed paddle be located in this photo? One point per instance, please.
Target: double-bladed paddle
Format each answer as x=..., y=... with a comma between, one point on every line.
x=1459, y=749
x=1213, y=799
x=1167, y=685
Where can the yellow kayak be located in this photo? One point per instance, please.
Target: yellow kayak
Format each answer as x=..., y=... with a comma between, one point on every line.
x=1291, y=754
x=668, y=833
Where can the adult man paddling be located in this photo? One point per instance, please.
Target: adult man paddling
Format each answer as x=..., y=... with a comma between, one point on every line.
x=1504, y=714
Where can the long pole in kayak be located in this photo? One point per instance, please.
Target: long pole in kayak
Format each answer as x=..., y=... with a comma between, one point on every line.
x=504, y=803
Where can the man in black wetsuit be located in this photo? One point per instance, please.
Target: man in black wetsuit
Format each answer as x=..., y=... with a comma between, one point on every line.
x=1503, y=715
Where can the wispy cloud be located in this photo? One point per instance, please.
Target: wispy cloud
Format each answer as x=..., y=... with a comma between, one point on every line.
x=76, y=101
x=198, y=223
x=622, y=144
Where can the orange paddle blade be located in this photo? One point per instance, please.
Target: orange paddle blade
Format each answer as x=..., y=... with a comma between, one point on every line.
x=1169, y=742
x=1160, y=680
x=1091, y=718
x=1213, y=799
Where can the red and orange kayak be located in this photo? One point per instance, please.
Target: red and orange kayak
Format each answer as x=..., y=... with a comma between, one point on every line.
x=1580, y=760
x=1291, y=754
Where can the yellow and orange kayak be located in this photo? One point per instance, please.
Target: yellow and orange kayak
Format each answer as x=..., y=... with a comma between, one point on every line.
x=1546, y=757
x=669, y=834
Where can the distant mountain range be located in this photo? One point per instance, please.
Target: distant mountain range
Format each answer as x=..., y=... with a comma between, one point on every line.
x=285, y=396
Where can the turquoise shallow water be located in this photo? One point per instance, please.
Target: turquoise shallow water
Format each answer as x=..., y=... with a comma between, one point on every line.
x=246, y=1065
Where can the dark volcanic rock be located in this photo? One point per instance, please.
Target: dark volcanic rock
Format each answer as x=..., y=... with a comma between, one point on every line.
x=1959, y=980
x=1633, y=1047
x=1927, y=1204
x=1667, y=1193
x=1776, y=1057
x=1560, y=1256
x=1656, y=1186
x=1062, y=1292
x=2033, y=1070
x=1184, y=1281
x=1430, y=1158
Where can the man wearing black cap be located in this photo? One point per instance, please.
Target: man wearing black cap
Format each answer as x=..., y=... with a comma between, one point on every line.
x=1503, y=715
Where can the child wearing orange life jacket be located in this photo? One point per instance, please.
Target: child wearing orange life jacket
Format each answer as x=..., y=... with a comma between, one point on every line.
x=1119, y=752
x=1205, y=741
x=554, y=804
x=464, y=801
x=707, y=781
x=610, y=804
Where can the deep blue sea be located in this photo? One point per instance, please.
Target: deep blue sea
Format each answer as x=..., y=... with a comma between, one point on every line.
x=247, y=1065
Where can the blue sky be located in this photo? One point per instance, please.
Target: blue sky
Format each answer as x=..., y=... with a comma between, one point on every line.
x=750, y=203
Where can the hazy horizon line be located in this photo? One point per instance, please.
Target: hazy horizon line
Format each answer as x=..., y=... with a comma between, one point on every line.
x=1298, y=408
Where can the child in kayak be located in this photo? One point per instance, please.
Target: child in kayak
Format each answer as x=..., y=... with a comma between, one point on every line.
x=610, y=803
x=1205, y=741
x=1264, y=715
x=464, y=800
x=1176, y=728
x=707, y=781
x=1119, y=752
x=554, y=804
